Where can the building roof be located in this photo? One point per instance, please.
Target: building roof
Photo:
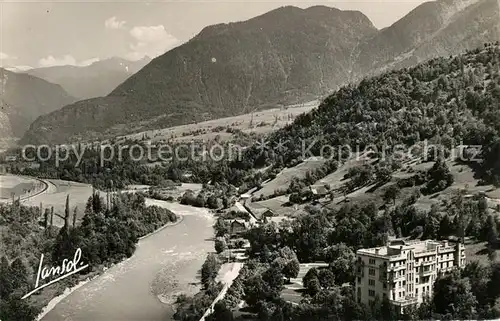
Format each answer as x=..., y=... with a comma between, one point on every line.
x=239, y=207
x=241, y=222
x=277, y=219
x=396, y=247
x=257, y=210
x=319, y=189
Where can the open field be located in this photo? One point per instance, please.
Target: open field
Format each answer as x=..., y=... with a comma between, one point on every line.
x=336, y=179
x=174, y=191
x=79, y=193
x=464, y=180
x=19, y=186
x=478, y=252
x=260, y=122
x=283, y=179
x=292, y=292
x=56, y=194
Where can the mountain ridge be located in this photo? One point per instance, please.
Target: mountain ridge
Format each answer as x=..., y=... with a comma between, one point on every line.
x=95, y=80
x=25, y=97
x=225, y=70
x=235, y=68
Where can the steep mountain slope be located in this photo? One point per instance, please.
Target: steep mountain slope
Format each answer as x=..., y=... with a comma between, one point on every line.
x=95, y=80
x=23, y=98
x=433, y=29
x=448, y=101
x=284, y=56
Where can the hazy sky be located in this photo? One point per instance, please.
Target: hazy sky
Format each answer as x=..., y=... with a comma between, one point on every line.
x=41, y=33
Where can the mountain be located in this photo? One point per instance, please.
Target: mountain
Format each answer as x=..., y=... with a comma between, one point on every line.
x=447, y=101
x=281, y=57
x=285, y=56
x=433, y=29
x=95, y=80
x=23, y=98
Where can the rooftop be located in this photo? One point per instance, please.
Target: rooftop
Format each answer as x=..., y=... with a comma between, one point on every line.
x=397, y=246
x=277, y=219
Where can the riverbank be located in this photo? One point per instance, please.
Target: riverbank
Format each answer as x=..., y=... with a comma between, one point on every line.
x=101, y=270
x=165, y=264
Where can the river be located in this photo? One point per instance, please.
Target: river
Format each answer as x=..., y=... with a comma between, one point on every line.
x=164, y=264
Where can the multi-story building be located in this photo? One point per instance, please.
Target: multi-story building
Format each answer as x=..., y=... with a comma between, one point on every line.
x=404, y=271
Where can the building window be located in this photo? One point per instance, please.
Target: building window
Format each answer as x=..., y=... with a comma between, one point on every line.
x=359, y=279
x=371, y=261
x=416, y=280
x=416, y=291
x=385, y=286
x=371, y=292
x=371, y=271
x=371, y=282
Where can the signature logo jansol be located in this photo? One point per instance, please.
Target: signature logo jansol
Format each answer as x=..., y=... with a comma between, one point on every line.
x=67, y=268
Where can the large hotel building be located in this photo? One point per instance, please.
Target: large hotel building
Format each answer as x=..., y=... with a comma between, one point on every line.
x=404, y=271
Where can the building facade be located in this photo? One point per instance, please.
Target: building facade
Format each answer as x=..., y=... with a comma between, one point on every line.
x=404, y=271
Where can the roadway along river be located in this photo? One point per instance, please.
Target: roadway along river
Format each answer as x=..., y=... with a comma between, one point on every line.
x=163, y=265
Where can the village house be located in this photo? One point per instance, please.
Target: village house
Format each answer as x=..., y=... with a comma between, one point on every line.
x=238, y=227
x=259, y=211
x=275, y=219
x=241, y=209
x=320, y=190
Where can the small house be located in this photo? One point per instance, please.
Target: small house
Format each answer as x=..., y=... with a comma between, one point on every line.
x=258, y=211
x=320, y=190
x=275, y=219
x=238, y=227
x=245, y=196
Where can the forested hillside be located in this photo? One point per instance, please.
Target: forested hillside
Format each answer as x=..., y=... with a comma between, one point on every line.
x=285, y=56
x=450, y=101
x=22, y=99
x=106, y=235
x=447, y=101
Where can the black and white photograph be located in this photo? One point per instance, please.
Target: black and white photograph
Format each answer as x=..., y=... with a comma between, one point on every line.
x=251, y=160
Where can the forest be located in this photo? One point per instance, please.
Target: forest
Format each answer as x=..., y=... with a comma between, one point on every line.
x=107, y=234
x=449, y=101
x=333, y=236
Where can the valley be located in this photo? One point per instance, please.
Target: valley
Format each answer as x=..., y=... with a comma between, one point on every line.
x=366, y=184
x=164, y=265
x=231, y=79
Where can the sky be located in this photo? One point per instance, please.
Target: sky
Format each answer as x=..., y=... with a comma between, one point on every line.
x=36, y=33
